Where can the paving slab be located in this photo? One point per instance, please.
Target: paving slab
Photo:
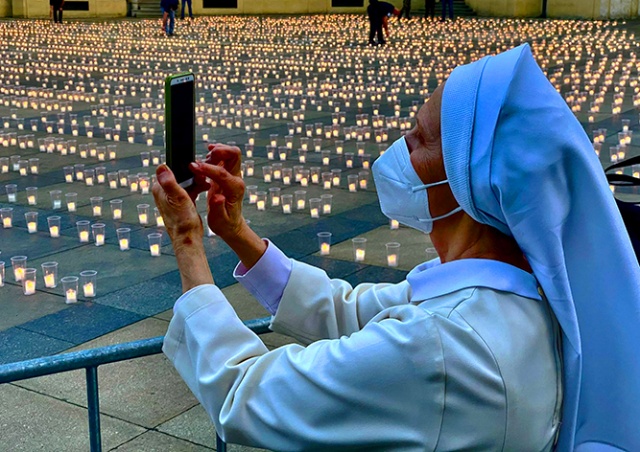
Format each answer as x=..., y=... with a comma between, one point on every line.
x=159, y=442
x=31, y=422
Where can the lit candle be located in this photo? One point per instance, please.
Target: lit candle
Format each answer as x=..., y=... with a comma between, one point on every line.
x=97, y=211
x=394, y=224
x=360, y=255
x=300, y=204
x=71, y=296
x=267, y=178
x=18, y=273
x=88, y=289
x=326, y=209
x=392, y=260
x=124, y=244
x=363, y=184
x=49, y=280
x=6, y=222
x=99, y=239
x=325, y=248
x=84, y=236
x=260, y=205
x=253, y=198
x=275, y=201
x=155, y=249
x=133, y=186
x=352, y=187
x=32, y=227
x=286, y=180
x=286, y=208
x=12, y=197
x=100, y=178
x=160, y=221
x=32, y=200
x=336, y=181
x=315, y=213
x=29, y=287
x=143, y=218
x=117, y=214
x=54, y=231
x=113, y=184
x=23, y=171
x=123, y=181
x=34, y=169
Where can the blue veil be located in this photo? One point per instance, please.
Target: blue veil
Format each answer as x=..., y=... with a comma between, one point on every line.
x=517, y=159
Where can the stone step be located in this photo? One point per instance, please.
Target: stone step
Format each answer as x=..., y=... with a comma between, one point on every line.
x=460, y=9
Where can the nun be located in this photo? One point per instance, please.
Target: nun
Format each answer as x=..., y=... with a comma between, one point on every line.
x=522, y=336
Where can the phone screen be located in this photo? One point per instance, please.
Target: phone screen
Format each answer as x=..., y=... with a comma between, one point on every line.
x=181, y=132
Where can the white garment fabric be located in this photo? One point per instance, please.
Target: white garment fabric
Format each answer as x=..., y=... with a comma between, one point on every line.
x=518, y=159
x=460, y=356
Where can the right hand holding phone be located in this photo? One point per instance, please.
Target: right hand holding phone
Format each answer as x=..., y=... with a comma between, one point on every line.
x=224, y=198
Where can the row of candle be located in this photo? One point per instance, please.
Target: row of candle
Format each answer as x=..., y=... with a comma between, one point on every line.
x=27, y=277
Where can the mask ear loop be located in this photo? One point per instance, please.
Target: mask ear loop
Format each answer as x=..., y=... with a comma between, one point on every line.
x=456, y=210
x=423, y=187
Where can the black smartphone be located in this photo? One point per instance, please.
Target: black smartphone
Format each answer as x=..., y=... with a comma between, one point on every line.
x=180, y=126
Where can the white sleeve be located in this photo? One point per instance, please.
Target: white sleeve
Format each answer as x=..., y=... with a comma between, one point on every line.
x=314, y=307
x=381, y=388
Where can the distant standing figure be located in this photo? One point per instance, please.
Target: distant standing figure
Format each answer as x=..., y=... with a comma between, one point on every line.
x=55, y=10
x=188, y=3
x=168, y=8
x=430, y=9
x=447, y=4
x=375, y=22
x=406, y=9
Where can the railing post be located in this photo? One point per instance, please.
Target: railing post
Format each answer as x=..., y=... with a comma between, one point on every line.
x=221, y=446
x=93, y=408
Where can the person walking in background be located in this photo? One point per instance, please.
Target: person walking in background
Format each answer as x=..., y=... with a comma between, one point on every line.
x=447, y=4
x=375, y=13
x=55, y=10
x=430, y=9
x=406, y=9
x=169, y=8
x=188, y=3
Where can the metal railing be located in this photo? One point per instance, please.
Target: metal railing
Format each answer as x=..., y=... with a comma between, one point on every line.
x=90, y=360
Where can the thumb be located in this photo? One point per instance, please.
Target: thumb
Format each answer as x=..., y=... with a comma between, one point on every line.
x=168, y=182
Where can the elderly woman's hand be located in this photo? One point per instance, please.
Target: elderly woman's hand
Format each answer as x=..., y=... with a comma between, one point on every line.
x=225, y=196
x=177, y=205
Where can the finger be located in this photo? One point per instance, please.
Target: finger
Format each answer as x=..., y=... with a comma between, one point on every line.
x=168, y=182
x=230, y=156
x=232, y=186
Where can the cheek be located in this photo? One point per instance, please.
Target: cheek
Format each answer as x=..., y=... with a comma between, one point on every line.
x=420, y=165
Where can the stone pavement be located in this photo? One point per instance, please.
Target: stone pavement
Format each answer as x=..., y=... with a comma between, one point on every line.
x=251, y=69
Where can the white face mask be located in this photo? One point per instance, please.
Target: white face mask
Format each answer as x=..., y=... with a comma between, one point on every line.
x=402, y=194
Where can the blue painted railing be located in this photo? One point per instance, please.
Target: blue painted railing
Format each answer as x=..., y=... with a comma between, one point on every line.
x=90, y=360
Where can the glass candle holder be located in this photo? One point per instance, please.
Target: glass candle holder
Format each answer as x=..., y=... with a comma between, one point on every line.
x=155, y=240
x=72, y=201
x=50, y=274
x=70, y=288
x=98, y=232
x=83, y=227
x=287, y=175
x=145, y=158
x=18, y=264
x=34, y=165
x=393, y=253
x=123, y=177
x=124, y=238
x=274, y=196
x=7, y=217
x=277, y=171
x=112, y=178
x=352, y=182
x=326, y=202
x=336, y=175
x=261, y=200
x=314, y=174
x=302, y=155
x=287, y=204
x=116, y=209
x=304, y=177
x=144, y=183
x=252, y=193
x=315, y=207
x=32, y=222
x=359, y=248
x=12, y=192
x=363, y=177
x=431, y=253
x=32, y=195
x=29, y=281
x=101, y=174
x=68, y=174
x=56, y=199
x=78, y=169
x=88, y=280
x=4, y=165
x=324, y=242
x=394, y=224
x=23, y=167
x=132, y=181
x=249, y=168
x=54, y=226
x=143, y=213
x=267, y=173
x=158, y=216
x=96, y=206
x=300, y=199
